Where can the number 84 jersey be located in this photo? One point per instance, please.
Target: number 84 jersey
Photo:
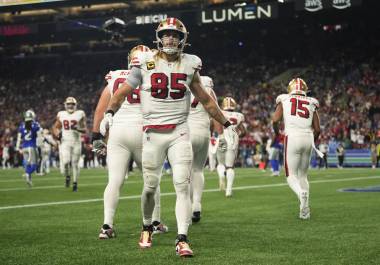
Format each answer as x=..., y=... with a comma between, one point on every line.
x=70, y=124
x=298, y=111
x=130, y=110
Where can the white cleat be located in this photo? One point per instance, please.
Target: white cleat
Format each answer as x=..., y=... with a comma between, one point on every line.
x=229, y=193
x=305, y=213
x=160, y=229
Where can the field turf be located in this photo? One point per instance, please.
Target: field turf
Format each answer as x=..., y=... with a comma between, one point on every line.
x=49, y=224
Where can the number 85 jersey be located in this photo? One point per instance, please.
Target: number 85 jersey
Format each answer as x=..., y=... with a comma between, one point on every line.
x=164, y=90
x=298, y=111
x=130, y=110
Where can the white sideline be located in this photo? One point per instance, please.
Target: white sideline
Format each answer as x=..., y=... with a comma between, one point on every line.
x=173, y=193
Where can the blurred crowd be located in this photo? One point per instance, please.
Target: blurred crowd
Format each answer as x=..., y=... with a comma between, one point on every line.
x=347, y=88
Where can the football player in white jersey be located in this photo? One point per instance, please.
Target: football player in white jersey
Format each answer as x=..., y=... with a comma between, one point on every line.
x=200, y=138
x=302, y=128
x=71, y=123
x=227, y=151
x=124, y=143
x=167, y=78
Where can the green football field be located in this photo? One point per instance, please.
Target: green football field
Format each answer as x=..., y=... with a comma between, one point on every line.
x=49, y=224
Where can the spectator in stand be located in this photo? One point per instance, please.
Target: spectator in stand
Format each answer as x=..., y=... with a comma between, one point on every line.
x=324, y=148
x=373, y=149
x=340, y=153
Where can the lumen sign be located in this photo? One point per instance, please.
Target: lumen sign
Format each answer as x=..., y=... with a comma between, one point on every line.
x=244, y=13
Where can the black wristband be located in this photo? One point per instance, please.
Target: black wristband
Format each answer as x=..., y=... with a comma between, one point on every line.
x=96, y=136
x=110, y=111
x=227, y=124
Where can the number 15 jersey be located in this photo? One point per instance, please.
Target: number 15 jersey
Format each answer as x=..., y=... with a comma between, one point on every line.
x=298, y=111
x=164, y=90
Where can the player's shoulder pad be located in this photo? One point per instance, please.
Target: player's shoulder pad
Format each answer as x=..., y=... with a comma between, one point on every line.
x=193, y=60
x=81, y=113
x=115, y=74
x=207, y=81
x=242, y=116
x=60, y=113
x=315, y=102
x=143, y=59
x=281, y=98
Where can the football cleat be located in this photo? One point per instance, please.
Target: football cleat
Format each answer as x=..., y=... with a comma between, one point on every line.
x=146, y=236
x=305, y=213
x=196, y=217
x=160, y=229
x=67, y=183
x=106, y=232
x=30, y=183
x=75, y=186
x=182, y=248
x=228, y=193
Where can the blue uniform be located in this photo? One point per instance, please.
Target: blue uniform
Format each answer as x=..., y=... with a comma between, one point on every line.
x=29, y=146
x=29, y=137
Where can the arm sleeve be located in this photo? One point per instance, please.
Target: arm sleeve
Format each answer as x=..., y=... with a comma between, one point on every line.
x=134, y=79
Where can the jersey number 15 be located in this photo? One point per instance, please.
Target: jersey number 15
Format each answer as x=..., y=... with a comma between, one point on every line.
x=299, y=109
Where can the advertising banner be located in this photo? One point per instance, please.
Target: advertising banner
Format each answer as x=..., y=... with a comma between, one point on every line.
x=240, y=13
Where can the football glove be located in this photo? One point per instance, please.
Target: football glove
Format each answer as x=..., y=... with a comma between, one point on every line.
x=99, y=147
x=106, y=123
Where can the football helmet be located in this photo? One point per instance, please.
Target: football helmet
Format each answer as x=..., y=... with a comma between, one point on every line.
x=171, y=24
x=297, y=86
x=132, y=55
x=29, y=115
x=70, y=104
x=229, y=104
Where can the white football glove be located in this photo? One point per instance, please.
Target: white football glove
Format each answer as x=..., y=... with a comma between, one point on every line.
x=106, y=123
x=230, y=134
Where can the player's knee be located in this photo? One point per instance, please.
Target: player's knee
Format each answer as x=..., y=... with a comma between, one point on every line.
x=151, y=182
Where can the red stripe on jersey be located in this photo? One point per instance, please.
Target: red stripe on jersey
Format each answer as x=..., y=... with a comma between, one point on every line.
x=163, y=127
x=286, y=157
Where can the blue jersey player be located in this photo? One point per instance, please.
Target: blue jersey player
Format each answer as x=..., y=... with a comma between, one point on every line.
x=27, y=137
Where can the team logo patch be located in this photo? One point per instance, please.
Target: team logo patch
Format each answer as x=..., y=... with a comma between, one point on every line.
x=150, y=65
x=365, y=189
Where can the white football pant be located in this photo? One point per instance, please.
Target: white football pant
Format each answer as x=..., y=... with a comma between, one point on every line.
x=71, y=152
x=200, y=144
x=174, y=144
x=297, y=154
x=124, y=144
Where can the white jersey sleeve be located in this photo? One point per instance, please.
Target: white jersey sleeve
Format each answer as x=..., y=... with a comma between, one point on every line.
x=130, y=110
x=298, y=111
x=198, y=117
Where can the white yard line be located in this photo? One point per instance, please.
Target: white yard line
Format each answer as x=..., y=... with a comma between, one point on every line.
x=173, y=193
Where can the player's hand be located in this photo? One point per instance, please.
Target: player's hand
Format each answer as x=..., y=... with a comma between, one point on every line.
x=230, y=134
x=106, y=123
x=99, y=147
